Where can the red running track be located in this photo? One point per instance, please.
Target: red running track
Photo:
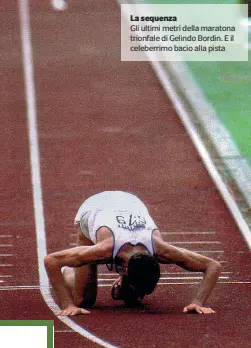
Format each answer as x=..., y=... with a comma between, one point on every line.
x=105, y=124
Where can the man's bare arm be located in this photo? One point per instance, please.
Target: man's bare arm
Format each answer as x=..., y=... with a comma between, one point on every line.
x=74, y=257
x=193, y=262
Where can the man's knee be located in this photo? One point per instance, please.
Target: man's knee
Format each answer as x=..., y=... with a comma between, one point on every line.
x=89, y=293
x=88, y=298
x=87, y=302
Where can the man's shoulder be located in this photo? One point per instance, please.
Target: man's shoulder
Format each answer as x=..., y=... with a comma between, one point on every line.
x=104, y=247
x=104, y=234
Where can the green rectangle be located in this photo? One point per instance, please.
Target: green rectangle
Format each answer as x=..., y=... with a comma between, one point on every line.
x=48, y=323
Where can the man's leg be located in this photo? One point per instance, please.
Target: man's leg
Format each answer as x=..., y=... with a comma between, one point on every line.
x=82, y=281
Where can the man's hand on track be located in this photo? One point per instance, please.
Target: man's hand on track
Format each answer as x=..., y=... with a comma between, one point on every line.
x=72, y=310
x=194, y=308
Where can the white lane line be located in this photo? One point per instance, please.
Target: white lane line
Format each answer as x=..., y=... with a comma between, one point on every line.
x=236, y=282
x=208, y=251
x=36, y=173
x=7, y=255
x=6, y=245
x=6, y=236
x=220, y=282
x=190, y=272
x=6, y=276
x=190, y=278
x=195, y=242
x=106, y=279
x=6, y=265
x=63, y=331
x=163, y=278
x=189, y=233
x=19, y=287
x=189, y=283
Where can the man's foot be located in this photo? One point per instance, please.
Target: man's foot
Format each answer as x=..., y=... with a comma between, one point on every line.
x=116, y=290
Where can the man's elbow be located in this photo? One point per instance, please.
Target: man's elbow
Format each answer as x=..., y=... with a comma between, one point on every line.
x=50, y=261
x=215, y=266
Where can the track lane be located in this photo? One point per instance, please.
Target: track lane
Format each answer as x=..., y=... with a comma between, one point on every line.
x=17, y=221
x=124, y=134
x=107, y=124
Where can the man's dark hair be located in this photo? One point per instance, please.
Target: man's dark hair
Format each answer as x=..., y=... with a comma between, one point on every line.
x=143, y=272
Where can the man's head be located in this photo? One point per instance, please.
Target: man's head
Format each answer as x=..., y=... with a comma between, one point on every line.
x=143, y=273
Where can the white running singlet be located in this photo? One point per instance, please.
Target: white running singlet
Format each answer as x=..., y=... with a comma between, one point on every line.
x=124, y=214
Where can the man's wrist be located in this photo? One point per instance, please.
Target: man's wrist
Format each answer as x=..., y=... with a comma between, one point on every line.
x=66, y=303
x=197, y=302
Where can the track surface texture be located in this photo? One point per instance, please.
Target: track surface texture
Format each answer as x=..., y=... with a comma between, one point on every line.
x=104, y=124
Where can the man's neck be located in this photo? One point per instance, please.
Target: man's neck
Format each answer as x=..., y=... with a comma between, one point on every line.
x=128, y=250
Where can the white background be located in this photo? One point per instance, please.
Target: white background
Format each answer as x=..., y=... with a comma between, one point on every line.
x=23, y=336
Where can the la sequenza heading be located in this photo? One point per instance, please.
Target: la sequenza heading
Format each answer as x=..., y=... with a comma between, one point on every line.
x=153, y=18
